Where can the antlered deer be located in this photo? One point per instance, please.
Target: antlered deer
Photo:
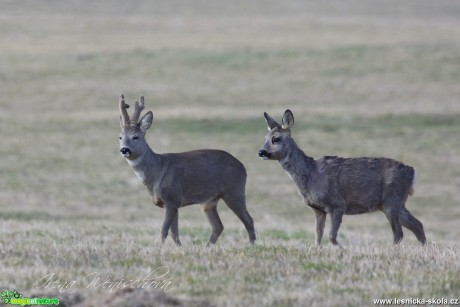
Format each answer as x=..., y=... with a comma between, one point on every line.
x=176, y=180
x=341, y=186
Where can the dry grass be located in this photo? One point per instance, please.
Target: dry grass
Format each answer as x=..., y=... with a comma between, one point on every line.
x=362, y=78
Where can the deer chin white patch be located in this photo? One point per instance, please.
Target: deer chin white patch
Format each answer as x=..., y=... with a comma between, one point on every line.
x=133, y=162
x=126, y=155
x=264, y=158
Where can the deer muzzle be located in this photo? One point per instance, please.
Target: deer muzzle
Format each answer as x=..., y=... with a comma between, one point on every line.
x=125, y=152
x=265, y=155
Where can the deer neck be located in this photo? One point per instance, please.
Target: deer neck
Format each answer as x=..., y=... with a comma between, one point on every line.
x=146, y=166
x=300, y=167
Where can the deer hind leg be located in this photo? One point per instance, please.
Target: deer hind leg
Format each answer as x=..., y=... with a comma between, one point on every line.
x=210, y=209
x=411, y=223
x=170, y=214
x=393, y=216
x=238, y=205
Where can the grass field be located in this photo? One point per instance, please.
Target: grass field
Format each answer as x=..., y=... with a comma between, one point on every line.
x=363, y=78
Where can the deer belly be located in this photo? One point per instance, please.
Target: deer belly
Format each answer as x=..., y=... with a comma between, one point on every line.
x=199, y=199
x=359, y=208
x=362, y=199
x=355, y=208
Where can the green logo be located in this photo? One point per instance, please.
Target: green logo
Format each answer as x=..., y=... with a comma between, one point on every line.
x=16, y=298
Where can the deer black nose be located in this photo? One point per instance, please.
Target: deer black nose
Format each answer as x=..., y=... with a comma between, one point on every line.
x=263, y=153
x=125, y=151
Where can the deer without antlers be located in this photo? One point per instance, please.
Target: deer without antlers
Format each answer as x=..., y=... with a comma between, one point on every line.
x=338, y=186
x=175, y=180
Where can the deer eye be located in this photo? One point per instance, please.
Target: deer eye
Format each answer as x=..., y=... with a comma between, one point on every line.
x=135, y=137
x=275, y=139
x=119, y=137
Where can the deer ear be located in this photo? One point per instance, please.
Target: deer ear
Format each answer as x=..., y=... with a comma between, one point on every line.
x=271, y=122
x=146, y=121
x=288, y=120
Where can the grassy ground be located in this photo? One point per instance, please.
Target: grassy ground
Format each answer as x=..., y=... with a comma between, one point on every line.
x=362, y=78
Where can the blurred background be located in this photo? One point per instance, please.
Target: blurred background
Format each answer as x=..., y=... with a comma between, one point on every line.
x=363, y=78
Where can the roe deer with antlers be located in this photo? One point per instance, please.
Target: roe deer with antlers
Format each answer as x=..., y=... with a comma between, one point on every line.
x=341, y=186
x=176, y=180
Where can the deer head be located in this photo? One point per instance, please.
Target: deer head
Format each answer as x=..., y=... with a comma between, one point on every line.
x=132, y=136
x=278, y=139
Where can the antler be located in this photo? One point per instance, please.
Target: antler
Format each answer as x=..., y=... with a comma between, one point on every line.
x=138, y=107
x=124, y=113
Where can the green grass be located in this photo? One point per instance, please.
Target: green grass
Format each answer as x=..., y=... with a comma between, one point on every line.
x=362, y=78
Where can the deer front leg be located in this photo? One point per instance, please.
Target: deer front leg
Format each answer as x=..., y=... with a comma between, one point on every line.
x=170, y=215
x=320, y=222
x=336, y=220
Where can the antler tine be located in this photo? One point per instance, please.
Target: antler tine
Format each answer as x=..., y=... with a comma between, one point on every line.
x=141, y=102
x=124, y=113
x=138, y=107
